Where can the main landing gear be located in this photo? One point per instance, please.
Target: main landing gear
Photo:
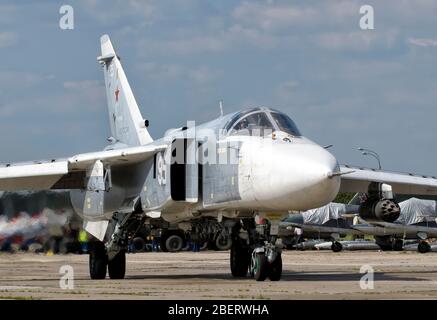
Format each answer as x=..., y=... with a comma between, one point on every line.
x=99, y=262
x=111, y=257
x=254, y=251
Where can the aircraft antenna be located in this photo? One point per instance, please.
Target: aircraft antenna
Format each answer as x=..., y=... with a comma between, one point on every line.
x=221, y=108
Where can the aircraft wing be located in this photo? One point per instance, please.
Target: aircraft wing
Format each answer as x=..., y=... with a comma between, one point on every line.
x=68, y=173
x=356, y=179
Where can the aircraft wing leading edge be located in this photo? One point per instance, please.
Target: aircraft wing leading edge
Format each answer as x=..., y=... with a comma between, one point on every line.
x=355, y=179
x=47, y=175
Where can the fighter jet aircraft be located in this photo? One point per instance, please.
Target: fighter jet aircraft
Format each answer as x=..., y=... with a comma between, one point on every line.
x=250, y=166
x=417, y=220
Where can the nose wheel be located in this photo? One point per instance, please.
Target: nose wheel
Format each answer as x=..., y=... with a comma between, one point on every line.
x=260, y=267
x=266, y=263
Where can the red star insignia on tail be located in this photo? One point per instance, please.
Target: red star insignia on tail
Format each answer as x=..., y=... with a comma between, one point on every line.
x=116, y=94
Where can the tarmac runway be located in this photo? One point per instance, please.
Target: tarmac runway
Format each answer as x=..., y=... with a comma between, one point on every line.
x=206, y=275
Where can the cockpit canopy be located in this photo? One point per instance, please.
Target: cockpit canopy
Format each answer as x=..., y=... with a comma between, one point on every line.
x=261, y=122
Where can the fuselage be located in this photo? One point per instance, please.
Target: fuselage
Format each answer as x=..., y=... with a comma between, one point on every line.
x=249, y=161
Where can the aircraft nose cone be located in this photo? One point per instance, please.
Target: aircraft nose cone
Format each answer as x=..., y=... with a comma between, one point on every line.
x=299, y=177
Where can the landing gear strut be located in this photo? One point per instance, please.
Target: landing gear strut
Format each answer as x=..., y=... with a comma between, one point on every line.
x=257, y=252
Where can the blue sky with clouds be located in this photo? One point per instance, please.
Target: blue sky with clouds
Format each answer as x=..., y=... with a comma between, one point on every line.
x=342, y=85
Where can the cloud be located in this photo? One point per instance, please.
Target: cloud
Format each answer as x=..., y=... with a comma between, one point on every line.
x=230, y=39
x=273, y=17
x=357, y=40
x=84, y=84
x=8, y=13
x=164, y=73
x=280, y=17
x=119, y=10
x=423, y=42
x=75, y=98
x=285, y=90
x=18, y=80
x=7, y=39
x=186, y=46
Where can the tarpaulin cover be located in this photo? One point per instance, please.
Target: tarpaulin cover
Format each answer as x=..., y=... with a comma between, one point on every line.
x=331, y=211
x=416, y=210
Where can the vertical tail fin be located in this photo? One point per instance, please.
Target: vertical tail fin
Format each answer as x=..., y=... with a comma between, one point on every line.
x=127, y=124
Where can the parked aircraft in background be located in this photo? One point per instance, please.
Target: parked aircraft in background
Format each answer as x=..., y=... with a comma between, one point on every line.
x=417, y=220
x=329, y=222
x=249, y=166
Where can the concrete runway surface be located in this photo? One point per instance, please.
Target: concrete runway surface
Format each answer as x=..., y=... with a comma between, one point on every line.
x=206, y=275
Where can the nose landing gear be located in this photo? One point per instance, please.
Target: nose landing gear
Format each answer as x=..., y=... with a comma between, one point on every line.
x=255, y=252
x=266, y=262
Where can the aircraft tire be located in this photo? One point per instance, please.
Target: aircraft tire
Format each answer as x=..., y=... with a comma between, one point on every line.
x=223, y=243
x=117, y=266
x=336, y=246
x=162, y=241
x=384, y=242
x=211, y=245
x=240, y=259
x=174, y=243
x=138, y=244
x=423, y=247
x=204, y=246
x=398, y=245
x=98, y=260
x=261, y=268
x=275, y=269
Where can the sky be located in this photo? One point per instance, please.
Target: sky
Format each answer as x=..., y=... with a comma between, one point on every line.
x=310, y=59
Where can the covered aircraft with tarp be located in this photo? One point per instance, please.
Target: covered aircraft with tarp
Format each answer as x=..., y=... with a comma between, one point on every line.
x=417, y=220
x=418, y=211
x=331, y=221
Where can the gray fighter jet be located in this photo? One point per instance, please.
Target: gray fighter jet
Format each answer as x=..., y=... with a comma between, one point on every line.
x=250, y=166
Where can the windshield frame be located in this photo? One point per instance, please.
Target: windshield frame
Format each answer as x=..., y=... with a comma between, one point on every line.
x=293, y=130
x=232, y=131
